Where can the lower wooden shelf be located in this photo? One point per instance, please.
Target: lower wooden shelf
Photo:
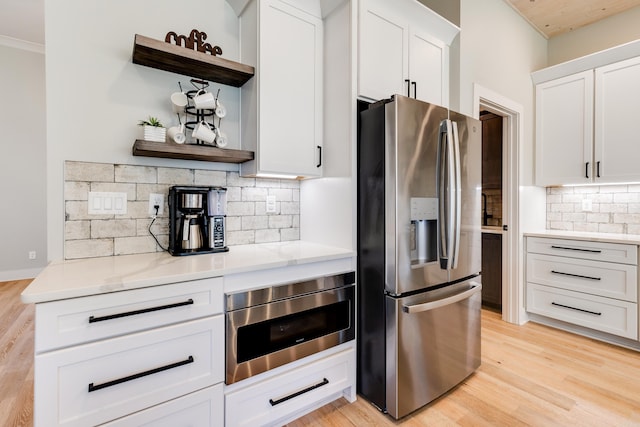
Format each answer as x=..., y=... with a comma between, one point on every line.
x=190, y=152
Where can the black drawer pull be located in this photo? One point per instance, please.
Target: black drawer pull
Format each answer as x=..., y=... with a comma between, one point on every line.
x=595, y=251
x=298, y=393
x=577, y=309
x=93, y=319
x=576, y=275
x=139, y=375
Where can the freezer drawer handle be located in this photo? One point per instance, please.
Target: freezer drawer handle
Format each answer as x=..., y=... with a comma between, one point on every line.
x=576, y=275
x=595, y=251
x=577, y=309
x=411, y=309
x=298, y=393
x=93, y=319
x=140, y=375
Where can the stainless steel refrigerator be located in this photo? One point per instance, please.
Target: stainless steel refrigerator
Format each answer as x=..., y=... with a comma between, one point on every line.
x=419, y=252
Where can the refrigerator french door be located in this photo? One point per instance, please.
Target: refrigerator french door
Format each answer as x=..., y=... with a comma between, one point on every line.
x=419, y=252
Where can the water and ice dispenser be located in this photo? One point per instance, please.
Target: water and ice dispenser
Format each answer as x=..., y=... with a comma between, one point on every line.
x=424, y=230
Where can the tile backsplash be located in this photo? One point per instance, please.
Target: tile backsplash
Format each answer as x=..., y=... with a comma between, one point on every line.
x=88, y=236
x=614, y=208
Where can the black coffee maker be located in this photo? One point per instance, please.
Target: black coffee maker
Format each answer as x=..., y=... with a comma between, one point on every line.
x=196, y=220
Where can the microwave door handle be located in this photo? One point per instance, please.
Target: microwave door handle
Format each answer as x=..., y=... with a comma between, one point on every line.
x=446, y=177
x=457, y=197
x=432, y=305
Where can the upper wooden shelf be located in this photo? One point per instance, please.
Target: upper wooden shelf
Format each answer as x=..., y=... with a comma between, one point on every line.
x=190, y=152
x=169, y=57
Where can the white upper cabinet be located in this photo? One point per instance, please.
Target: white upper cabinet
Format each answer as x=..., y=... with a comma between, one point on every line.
x=281, y=107
x=586, y=110
x=564, y=130
x=403, y=47
x=617, y=141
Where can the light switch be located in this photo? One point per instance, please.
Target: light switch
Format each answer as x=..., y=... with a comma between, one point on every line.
x=105, y=203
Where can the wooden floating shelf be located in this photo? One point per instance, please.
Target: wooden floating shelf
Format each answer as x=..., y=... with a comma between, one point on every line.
x=177, y=59
x=190, y=152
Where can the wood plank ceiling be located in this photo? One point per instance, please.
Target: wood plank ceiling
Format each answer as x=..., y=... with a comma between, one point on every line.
x=554, y=17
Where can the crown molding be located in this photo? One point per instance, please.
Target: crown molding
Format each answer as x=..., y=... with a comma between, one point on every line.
x=21, y=44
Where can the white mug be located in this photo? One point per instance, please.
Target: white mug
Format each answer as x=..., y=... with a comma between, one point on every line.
x=220, y=110
x=203, y=132
x=176, y=134
x=179, y=102
x=204, y=100
x=221, y=139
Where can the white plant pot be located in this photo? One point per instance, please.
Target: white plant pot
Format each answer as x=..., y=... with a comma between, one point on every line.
x=155, y=134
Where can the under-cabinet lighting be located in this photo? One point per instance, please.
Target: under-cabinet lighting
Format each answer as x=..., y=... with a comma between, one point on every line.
x=600, y=184
x=276, y=176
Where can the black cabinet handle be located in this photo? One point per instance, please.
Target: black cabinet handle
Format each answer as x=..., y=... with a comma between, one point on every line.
x=598, y=169
x=93, y=319
x=595, y=251
x=319, y=157
x=408, y=82
x=586, y=170
x=415, y=90
x=139, y=375
x=577, y=309
x=576, y=275
x=298, y=393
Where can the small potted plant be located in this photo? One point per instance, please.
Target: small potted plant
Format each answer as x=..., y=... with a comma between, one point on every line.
x=153, y=130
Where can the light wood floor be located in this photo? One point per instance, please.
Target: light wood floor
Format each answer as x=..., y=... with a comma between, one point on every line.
x=530, y=375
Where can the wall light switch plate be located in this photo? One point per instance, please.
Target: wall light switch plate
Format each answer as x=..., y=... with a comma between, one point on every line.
x=105, y=203
x=587, y=205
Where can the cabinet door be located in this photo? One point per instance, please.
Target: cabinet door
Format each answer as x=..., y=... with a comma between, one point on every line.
x=428, y=67
x=617, y=142
x=564, y=130
x=383, y=51
x=290, y=73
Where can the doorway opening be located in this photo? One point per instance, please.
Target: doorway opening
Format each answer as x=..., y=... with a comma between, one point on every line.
x=511, y=114
x=492, y=215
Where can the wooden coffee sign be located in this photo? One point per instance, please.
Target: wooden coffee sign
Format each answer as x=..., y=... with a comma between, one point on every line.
x=195, y=41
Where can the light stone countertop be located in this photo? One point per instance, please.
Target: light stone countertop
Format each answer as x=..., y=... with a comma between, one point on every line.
x=91, y=276
x=632, y=239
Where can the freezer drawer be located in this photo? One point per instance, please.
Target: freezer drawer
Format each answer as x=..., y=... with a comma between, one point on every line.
x=433, y=343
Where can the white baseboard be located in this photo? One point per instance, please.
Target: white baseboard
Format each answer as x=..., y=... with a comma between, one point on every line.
x=28, y=273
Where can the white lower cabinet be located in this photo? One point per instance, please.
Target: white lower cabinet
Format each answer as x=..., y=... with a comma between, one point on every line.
x=150, y=356
x=204, y=408
x=289, y=395
x=98, y=382
x=585, y=283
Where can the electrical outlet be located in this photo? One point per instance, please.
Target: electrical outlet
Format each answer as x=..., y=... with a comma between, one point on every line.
x=271, y=204
x=587, y=205
x=32, y=254
x=156, y=200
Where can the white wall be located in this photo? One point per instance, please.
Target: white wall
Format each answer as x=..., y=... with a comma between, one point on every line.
x=499, y=50
x=96, y=95
x=610, y=32
x=22, y=163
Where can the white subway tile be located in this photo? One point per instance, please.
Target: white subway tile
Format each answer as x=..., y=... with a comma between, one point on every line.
x=240, y=208
x=134, y=245
x=175, y=176
x=101, y=229
x=254, y=194
x=76, y=230
x=244, y=237
x=91, y=248
x=266, y=236
x=210, y=178
x=611, y=228
x=255, y=222
x=76, y=190
x=136, y=174
x=86, y=171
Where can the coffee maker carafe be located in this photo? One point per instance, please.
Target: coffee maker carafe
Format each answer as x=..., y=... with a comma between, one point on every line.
x=196, y=220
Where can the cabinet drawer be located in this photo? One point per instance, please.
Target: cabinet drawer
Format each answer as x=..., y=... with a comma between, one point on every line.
x=280, y=397
x=598, y=251
x=98, y=382
x=79, y=320
x=204, y=408
x=606, y=279
x=602, y=314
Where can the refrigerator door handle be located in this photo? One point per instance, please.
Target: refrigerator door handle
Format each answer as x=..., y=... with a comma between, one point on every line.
x=432, y=305
x=457, y=197
x=446, y=195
